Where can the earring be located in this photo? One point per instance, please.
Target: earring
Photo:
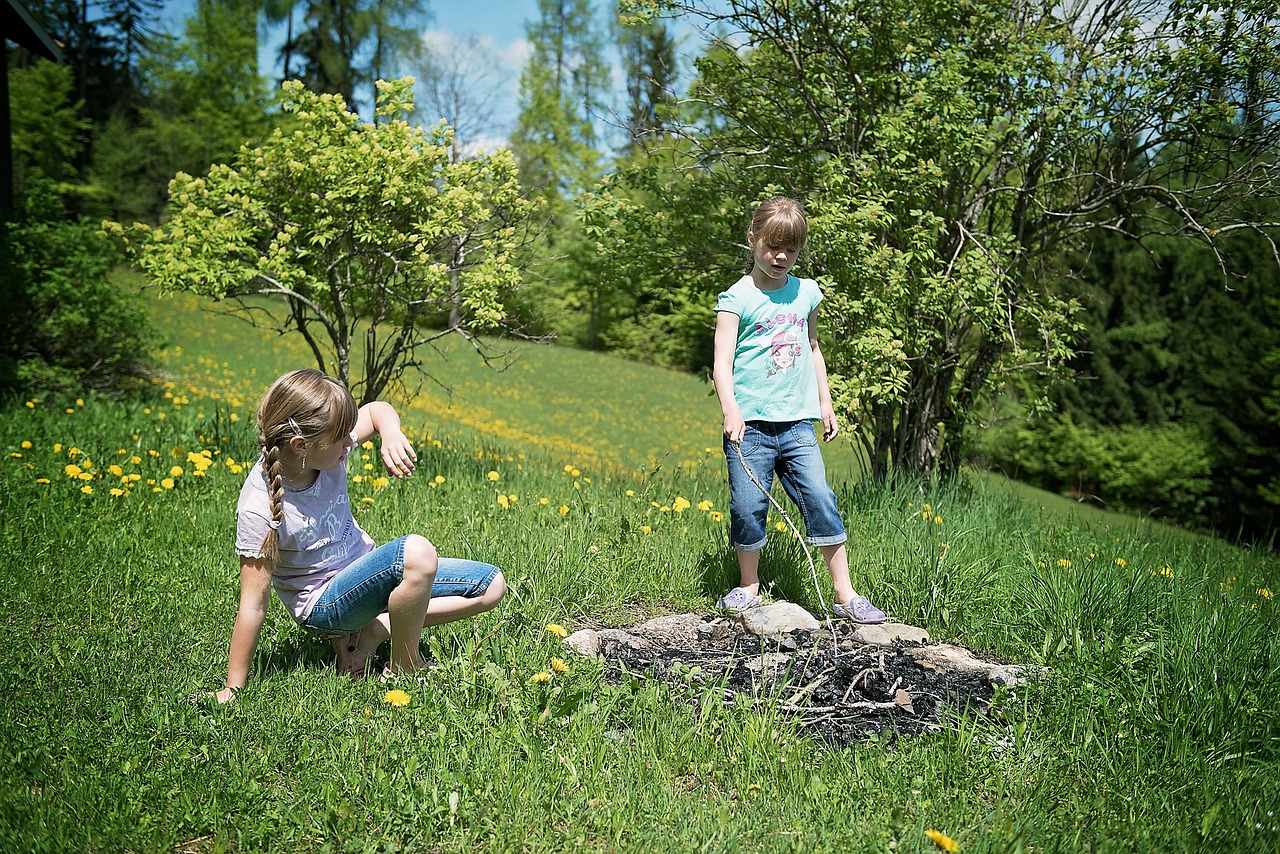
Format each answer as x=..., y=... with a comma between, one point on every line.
x=304, y=462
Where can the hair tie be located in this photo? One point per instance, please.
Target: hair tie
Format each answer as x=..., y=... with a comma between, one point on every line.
x=274, y=524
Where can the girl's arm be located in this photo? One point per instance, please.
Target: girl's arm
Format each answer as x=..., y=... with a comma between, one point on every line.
x=255, y=596
x=397, y=451
x=830, y=427
x=722, y=374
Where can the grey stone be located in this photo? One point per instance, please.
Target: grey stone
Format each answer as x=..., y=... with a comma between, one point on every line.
x=768, y=661
x=585, y=642
x=1013, y=675
x=613, y=640
x=676, y=629
x=778, y=620
x=888, y=634
x=946, y=657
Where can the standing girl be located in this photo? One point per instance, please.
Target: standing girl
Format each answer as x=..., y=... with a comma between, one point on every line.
x=295, y=532
x=771, y=389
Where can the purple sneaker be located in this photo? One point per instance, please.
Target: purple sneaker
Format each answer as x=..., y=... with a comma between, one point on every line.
x=859, y=610
x=737, y=600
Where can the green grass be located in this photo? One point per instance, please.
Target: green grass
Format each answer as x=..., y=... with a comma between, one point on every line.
x=1156, y=728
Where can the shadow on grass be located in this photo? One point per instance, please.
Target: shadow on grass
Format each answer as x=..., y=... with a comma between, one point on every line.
x=784, y=571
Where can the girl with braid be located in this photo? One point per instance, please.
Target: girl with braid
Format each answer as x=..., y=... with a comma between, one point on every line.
x=295, y=533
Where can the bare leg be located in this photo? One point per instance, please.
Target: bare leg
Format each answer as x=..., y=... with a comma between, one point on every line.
x=837, y=558
x=407, y=605
x=749, y=571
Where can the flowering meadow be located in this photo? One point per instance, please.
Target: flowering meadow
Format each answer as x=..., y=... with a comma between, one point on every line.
x=597, y=486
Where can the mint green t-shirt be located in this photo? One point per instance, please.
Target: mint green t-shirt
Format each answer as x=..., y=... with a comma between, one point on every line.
x=773, y=374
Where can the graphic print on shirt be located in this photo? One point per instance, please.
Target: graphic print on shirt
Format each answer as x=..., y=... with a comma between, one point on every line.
x=786, y=332
x=333, y=525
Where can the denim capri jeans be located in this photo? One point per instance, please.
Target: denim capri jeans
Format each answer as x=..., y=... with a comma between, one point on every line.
x=789, y=448
x=360, y=592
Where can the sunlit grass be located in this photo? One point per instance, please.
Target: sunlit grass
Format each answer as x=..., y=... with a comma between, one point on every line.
x=1155, y=727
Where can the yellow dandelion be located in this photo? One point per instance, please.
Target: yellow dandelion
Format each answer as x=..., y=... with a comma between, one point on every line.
x=557, y=630
x=1064, y=563
x=564, y=510
x=631, y=493
x=380, y=482
x=367, y=445
x=114, y=469
x=176, y=471
x=135, y=459
x=366, y=500
x=395, y=697
x=1121, y=562
x=544, y=501
x=704, y=505
x=26, y=446
x=84, y=475
x=1264, y=592
x=57, y=447
x=438, y=479
x=681, y=504
x=559, y=666
x=71, y=470
x=646, y=530
x=576, y=473
x=493, y=475
x=568, y=468
x=540, y=676
x=779, y=526
x=87, y=489
x=716, y=516
x=946, y=843
x=357, y=478
x=117, y=491
x=502, y=500
x=42, y=480
x=167, y=483
x=72, y=451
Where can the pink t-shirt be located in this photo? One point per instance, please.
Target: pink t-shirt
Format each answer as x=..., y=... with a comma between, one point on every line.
x=318, y=536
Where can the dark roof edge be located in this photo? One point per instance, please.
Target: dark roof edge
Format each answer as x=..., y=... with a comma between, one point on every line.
x=36, y=38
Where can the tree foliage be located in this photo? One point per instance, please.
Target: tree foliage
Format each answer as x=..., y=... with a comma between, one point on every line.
x=348, y=233
x=68, y=323
x=949, y=151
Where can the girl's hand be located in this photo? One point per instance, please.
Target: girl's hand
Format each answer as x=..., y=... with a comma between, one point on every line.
x=830, y=427
x=398, y=454
x=734, y=428
x=226, y=695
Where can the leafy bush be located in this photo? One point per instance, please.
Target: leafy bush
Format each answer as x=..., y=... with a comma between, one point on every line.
x=70, y=324
x=1158, y=469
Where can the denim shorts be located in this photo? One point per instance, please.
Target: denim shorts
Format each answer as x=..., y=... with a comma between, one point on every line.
x=360, y=592
x=789, y=448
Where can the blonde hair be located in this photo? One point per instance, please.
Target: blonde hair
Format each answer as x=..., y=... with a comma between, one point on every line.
x=305, y=403
x=779, y=222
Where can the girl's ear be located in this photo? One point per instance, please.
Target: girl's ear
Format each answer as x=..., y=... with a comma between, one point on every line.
x=298, y=445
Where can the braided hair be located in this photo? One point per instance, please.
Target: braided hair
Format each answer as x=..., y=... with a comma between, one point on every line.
x=304, y=403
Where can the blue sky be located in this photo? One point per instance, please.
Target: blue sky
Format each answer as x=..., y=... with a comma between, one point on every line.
x=498, y=26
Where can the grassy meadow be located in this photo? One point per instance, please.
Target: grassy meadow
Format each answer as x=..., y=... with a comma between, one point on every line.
x=597, y=486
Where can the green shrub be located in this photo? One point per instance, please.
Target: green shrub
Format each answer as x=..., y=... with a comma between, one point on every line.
x=71, y=324
x=1164, y=470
